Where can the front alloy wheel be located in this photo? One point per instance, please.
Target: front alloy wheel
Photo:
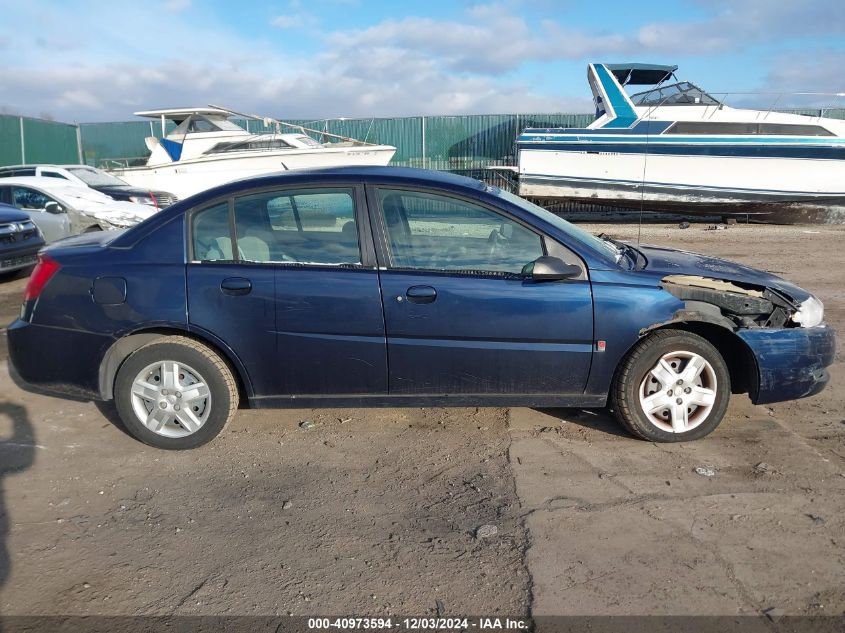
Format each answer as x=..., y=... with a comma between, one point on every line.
x=679, y=392
x=673, y=386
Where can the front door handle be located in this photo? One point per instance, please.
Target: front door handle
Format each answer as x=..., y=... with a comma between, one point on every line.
x=236, y=286
x=421, y=294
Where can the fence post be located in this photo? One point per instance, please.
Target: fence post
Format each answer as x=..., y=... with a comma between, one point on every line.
x=23, y=143
x=422, y=130
x=79, y=156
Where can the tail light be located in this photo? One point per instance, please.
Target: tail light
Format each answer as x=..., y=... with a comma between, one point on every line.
x=44, y=271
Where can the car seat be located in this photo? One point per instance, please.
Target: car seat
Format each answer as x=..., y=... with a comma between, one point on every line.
x=398, y=232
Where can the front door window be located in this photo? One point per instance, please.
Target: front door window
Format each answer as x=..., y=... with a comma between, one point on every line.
x=30, y=199
x=427, y=231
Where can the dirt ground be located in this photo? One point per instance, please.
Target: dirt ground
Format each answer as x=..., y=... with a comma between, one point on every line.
x=376, y=511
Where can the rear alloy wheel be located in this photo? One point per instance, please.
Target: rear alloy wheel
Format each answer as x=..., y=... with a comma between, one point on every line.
x=171, y=399
x=674, y=386
x=175, y=393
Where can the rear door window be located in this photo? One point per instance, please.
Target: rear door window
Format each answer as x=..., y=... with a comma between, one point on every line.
x=53, y=174
x=211, y=234
x=315, y=226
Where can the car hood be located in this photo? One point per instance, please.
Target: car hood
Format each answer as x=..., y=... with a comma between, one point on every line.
x=12, y=214
x=127, y=190
x=115, y=212
x=669, y=261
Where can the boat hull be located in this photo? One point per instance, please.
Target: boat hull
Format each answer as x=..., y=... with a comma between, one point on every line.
x=187, y=177
x=767, y=188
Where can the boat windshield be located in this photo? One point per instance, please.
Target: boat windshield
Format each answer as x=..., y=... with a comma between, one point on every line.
x=681, y=93
x=199, y=123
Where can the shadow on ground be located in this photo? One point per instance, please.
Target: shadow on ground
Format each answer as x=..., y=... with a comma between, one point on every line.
x=597, y=419
x=17, y=453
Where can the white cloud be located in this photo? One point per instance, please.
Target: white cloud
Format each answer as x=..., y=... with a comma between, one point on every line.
x=414, y=65
x=287, y=21
x=811, y=71
x=113, y=92
x=816, y=72
x=177, y=6
x=79, y=98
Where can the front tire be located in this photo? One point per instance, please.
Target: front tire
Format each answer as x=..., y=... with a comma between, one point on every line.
x=674, y=386
x=175, y=393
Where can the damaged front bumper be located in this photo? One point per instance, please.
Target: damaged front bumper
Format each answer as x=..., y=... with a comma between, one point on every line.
x=791, y=362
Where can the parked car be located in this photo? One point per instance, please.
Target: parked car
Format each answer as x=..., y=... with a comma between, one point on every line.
x=62, y=208
x=97, y=179
x=375, y=286
x=20, y=241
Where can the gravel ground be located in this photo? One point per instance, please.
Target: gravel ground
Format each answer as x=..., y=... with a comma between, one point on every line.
x=377, y=511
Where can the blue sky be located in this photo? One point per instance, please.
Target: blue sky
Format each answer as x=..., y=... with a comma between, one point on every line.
x=98, y=61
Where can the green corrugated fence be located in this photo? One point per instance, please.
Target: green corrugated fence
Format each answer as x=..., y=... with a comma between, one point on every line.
x=25, y=140
x=456, y=143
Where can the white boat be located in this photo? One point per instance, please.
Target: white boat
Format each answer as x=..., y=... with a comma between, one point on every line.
x=677, y=148
x=207, y=149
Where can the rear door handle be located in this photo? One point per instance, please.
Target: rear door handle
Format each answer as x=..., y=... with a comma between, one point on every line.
x=421, y=294
x=236, y=286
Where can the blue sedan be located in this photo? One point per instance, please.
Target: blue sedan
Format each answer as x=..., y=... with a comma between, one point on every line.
x=381, y=286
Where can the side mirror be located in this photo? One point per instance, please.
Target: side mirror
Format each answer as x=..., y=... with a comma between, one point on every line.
x=548, y=268
x=54, y=208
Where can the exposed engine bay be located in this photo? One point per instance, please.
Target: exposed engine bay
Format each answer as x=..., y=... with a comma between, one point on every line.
x=736, y=305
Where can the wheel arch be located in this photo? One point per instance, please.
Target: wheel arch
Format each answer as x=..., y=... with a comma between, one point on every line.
x=126, y=345
x=740, y=360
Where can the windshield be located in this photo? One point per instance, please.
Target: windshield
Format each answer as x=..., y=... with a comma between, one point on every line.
x=198, y=123
x=307, y=141
x=602, y=247
x=95, y=177
x=681, y=93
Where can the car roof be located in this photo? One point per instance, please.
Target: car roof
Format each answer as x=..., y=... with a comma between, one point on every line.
x=29, y=166
x=45, y=182
x=365, y=173
x=53, y=165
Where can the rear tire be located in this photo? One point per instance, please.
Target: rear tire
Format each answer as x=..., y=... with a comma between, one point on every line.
x=175, y=393
x=674, y=386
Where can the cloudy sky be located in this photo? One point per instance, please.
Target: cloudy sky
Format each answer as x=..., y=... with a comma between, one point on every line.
x=100, y=61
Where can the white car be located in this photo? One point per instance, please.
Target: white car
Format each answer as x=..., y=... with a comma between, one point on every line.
x=87, y=176
x=61, y=208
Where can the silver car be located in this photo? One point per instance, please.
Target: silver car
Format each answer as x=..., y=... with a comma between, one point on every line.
x=60, y=208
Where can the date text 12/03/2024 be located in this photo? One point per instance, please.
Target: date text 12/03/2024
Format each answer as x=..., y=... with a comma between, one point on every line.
x=423, y=624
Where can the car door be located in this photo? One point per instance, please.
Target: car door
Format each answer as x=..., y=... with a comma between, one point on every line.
x=231, y=299
x=460, y=318
x=283, y=279
x=54, y=224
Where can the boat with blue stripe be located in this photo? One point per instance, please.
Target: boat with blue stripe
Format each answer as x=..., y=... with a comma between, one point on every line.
x=676, y=148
